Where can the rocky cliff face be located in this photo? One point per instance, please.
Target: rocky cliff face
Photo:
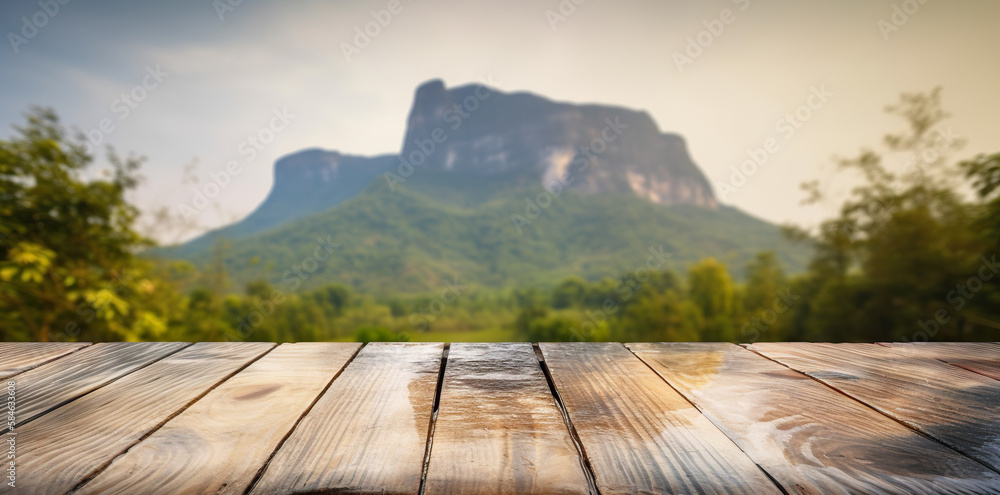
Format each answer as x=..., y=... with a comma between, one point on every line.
x=480, y=134
x=313, y=180
x=305, y=182
x=595, y=149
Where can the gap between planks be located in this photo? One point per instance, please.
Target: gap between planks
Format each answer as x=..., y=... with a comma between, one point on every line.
x=588, y=470
x=436, y=403
x=105, y=465
x=710, y=419
x=263, y=467
x=873, y=408
x=33, y=365
x=434, y=414
x=905, y=347
x=98, y=387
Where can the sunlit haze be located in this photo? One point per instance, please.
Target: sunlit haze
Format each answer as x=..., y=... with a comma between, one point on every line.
x=224, y=70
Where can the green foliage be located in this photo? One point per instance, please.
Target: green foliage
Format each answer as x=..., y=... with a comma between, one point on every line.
x=67, y=245
x=903, y=259
x=765, y=278
x=572, y=289
x=665, y=317
x=410, y=242
x=367, y=333
x=711, y=291
x=908, y=257
x=984, y=171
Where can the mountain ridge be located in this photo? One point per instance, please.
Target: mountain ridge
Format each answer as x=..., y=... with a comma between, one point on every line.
x=473, y=159
x=313, y=179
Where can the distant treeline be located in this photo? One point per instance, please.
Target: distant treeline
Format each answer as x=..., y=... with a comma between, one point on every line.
x=702, y=305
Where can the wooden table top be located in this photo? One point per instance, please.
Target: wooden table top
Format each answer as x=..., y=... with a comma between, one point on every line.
x=462, y=418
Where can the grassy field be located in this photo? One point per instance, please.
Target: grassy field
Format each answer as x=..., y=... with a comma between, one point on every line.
x=489, y=335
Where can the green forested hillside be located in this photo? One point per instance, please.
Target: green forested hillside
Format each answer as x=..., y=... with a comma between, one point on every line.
x=413, y=238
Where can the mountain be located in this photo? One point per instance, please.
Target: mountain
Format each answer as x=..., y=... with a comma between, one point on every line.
x=486, y=134
x=495, y=189
x=304, y=182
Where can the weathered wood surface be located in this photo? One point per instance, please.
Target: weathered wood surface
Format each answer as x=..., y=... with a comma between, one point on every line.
x=979, y=357
x=218, y=444
x=952, y=405
x=499, y=429
x=639, y=434
x=62, y=448
x=369, y=431
x=17, y=357
x=387, y=419
x=803, y=433
x=76, y=374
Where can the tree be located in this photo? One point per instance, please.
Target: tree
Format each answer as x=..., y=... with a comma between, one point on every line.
x=370, y=333
x=984, y=171
x=904, y=238
x=67, y=260
x=556, y=328
x=662, y=317
x=712, y=291
x=569, y=293
x=764, y=279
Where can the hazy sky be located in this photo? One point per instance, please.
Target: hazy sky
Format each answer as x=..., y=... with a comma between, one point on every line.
x=221, y=79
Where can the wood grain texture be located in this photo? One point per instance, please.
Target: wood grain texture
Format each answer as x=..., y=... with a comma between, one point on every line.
x=639, y=434
x=219, y=443
x=368, y=432
x=979, y=357
x=955, y=406
x=807, y=436
x=18, y=357
x=62, y=448
x=76, y=374
x=499, y=429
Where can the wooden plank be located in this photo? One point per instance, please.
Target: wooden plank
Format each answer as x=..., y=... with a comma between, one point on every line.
x=499, y=429
x=807, y=436
x=63, y=380
x=368, y=432
x=978, y=357
x=955, y=406
x=60, y=449
x=18, y=357
x=220, y=443
x=640, y=435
